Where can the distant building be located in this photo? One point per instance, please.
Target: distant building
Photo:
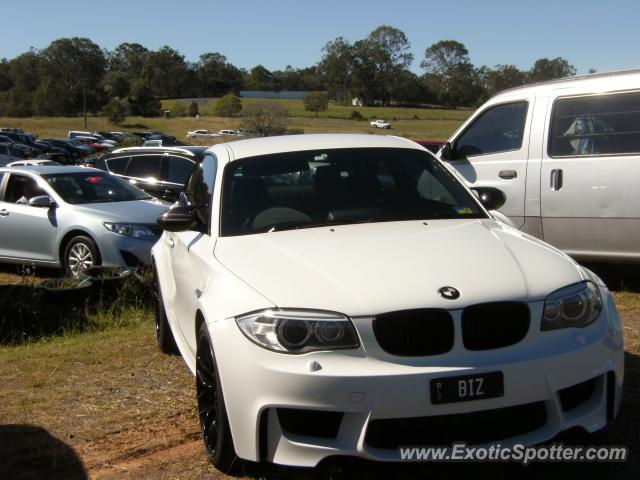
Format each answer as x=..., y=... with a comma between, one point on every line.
x=273, y=95
x=356, y=102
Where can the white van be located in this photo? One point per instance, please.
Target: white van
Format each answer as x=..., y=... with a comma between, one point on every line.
x=567, y=155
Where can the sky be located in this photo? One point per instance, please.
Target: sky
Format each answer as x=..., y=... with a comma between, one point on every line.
x=601, y=35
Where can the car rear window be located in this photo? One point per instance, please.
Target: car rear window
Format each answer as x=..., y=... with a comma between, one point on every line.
x=144, y=166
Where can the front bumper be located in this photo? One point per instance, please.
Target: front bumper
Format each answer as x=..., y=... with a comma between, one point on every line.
x=122, y=251
x=369, y=384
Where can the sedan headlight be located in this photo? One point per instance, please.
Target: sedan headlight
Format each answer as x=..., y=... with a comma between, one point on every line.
x=129, y=229
x=299, y=331
x=574, y=306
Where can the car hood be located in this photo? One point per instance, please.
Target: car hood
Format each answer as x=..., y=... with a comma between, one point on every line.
x=374, y=268
x=135, y=211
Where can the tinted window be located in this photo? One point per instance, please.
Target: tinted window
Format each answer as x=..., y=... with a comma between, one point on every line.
x=498, y=129
x=178, y=169
x=597, y=124
x=199, y=188
x=117, y=164
x=359, y=185
x=144, y=166
x=21, y=189
x=92, y=187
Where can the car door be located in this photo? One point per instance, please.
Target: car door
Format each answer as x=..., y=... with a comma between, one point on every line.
x=27, y=232
x=192, y=251
x=590, y=200
x=492, y=150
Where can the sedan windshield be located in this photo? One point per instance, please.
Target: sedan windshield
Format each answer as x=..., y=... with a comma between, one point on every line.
x=339, y=186
x=93, y=187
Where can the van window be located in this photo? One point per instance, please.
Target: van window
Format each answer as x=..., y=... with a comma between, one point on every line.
x=497, y=129
x=595, y=125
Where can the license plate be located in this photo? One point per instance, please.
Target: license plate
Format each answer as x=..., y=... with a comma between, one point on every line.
x=467, y=387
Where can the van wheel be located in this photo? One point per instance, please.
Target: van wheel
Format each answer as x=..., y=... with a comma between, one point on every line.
x=80, y=254
x=212, y=413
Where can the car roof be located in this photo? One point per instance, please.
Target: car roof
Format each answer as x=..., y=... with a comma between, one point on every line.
x=150, y=149
x=292, y=143
x=47, y=170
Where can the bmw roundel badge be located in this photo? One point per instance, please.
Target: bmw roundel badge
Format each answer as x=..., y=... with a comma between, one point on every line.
x=449, y=293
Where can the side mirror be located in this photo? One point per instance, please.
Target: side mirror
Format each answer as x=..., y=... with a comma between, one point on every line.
x=42, y=201
x=179, y=219
x=446, y=152
x=491, y=198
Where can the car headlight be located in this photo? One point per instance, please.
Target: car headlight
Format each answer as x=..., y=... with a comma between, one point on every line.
x=574, y=306
x=299, y=331
x=129, y=229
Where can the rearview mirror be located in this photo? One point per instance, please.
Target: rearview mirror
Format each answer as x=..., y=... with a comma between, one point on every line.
x=42, y=201
x=179, y=219
x=491, y=198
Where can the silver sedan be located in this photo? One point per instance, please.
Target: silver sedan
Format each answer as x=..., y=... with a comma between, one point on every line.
x=75, y=218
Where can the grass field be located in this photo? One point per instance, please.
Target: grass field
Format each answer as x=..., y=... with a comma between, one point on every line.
x=411, y=123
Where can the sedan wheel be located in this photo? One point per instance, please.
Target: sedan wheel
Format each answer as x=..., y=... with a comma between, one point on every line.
x=211, y=409
x=81, y=254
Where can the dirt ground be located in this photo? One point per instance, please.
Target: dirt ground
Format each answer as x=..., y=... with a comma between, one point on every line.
x=109, y=405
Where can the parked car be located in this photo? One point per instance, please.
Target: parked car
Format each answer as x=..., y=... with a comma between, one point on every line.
x=34, y=163
x=380, y=124
x=7, y=154
x=372, y=304
x=432, y=145
x=92, y=135
x=75, y=218
x=29, y=140
x=230, y=133
x=97, y=145
x=567, y=155
x=202, y=134
x=160, y=171
x=74, y=150
x=152, y=143
x=19, y=149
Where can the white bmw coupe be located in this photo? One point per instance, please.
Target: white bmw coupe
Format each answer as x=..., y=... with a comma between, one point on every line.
x=348, y=295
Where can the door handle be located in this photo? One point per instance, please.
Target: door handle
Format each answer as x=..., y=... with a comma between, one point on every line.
x=507, y=174
x=169, y=241
x=4, y=212
x=556, y=179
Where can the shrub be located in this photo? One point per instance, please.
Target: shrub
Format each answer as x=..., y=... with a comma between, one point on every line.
x=265, y=119
x=227, y=106
x=356, y=115
x=316, y=102
x=193, y=109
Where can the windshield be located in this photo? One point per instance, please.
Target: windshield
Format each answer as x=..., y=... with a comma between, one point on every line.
x=339, y=186
x=93, y=187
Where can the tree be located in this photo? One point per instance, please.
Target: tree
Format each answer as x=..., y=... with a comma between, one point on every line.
x=227, y=106
x=115, y=110
x=546, y=69
x=502, y=77
x=216, y=76
x=265, y=118
x=450, y=74
x=5, y=75
x=193, y=109
x=316, y=102
x=166, y=73
x=259, y=78
x=142, y=100
x=337, y=67
x=71, y=71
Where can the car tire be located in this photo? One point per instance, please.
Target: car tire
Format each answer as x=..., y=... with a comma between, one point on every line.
x=212, y=413
x=80, y=254
x=164, y=336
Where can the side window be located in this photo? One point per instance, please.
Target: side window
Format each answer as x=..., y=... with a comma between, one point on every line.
x=144, y=166
x=178, y=169
x=117, y=164
x=199, y=188
x=595, y=125
x=497, y=129
x=21, y=189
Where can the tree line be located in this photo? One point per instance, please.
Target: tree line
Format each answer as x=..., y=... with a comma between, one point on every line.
x=73, y=73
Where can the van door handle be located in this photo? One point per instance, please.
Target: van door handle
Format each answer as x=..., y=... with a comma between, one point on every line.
x=4, y=212
x=556, y=179
x=507, y=174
